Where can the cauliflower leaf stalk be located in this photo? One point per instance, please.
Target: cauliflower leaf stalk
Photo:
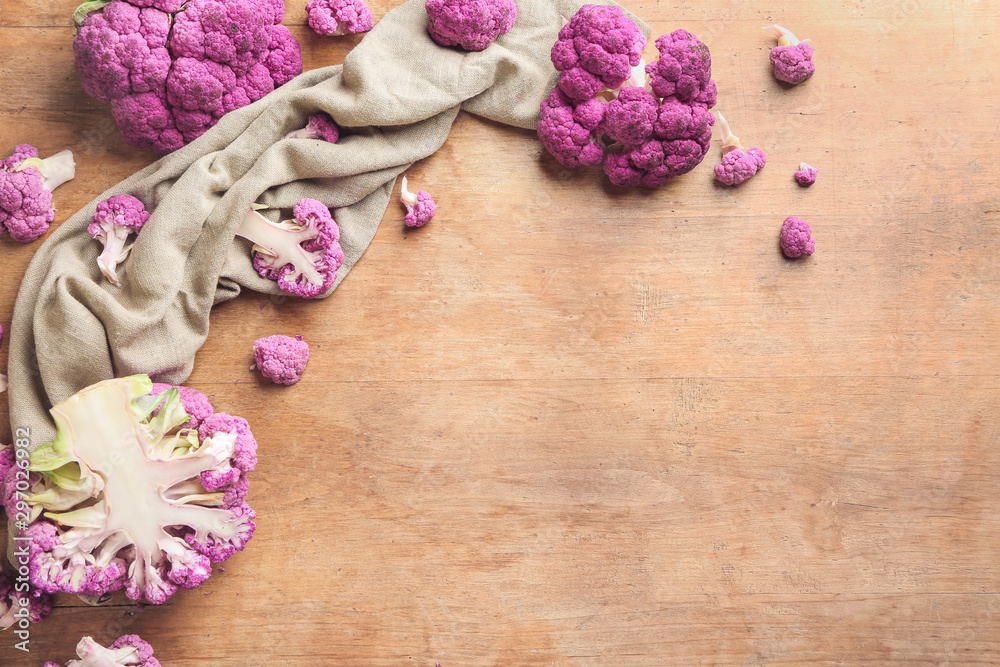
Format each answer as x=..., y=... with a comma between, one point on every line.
x=303, y=254
x=126, y=651
x=131, y=498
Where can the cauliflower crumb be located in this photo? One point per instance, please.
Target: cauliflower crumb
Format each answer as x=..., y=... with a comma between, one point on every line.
x=806, y=175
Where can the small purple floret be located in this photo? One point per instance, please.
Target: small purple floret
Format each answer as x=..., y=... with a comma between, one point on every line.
x=737, y=166
x=281, y=359
x=796, y=238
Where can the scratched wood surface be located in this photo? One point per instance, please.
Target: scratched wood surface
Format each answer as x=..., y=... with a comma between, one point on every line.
x=570, y=424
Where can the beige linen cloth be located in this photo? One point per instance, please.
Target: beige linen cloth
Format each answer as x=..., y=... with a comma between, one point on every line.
x=395, y=98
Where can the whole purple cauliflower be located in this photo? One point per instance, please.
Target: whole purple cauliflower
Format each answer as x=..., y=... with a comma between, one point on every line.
x=339, y=17
x=644, y=135
x=806, y=175
x=738, y=163
x=281, y=359
x=596, y=50
x=791, y=60
x=114, y=220
x=471, y=25
x=301, y=255
x=128, y=496
x=420, y=207
x=26, y=185
x=31, y=605
x=127, y=651
x=170, y=69
x=319, y=126
x=796, y=238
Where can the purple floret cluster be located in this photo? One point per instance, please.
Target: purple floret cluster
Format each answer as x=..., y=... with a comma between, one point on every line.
x=339, y=17
x=471, y=25
x=795, y=238
x=642, y=136
x=281, y=359
x=172, y=68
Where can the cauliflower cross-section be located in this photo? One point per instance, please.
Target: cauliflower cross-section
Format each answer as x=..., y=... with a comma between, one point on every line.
x=126, y=497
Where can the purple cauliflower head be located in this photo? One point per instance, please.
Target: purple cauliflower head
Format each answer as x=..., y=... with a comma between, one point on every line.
x=171, y=69
x=806, y=175
x=791, y=60
x=644, y=135
x=26, y=185
x=596, y=49
x=339, y=17
x=114, y=220
x=796, y=238
x=31, y=605
x=471, y=25
x=147, y=509
x=319, y=126
x=420, y=208
x=738, y=163
x=281, y=359
x=301, y=255
x=127, y=651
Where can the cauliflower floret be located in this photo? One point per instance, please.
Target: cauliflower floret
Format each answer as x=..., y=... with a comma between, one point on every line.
x=806, y=175
x=26, y=185
x=339, y=17
x=281, y=358
x=420, y=208
x=791, y=60
x=469, y=24
x=796, y=238
x=319, y=126
x=115, y=218
x=596, y=49
x=738, y=163
x=127, y=651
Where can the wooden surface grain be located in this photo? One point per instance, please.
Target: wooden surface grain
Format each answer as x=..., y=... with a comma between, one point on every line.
x=569, y=424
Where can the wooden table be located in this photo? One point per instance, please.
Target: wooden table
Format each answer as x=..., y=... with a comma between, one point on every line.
x=569, y=424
